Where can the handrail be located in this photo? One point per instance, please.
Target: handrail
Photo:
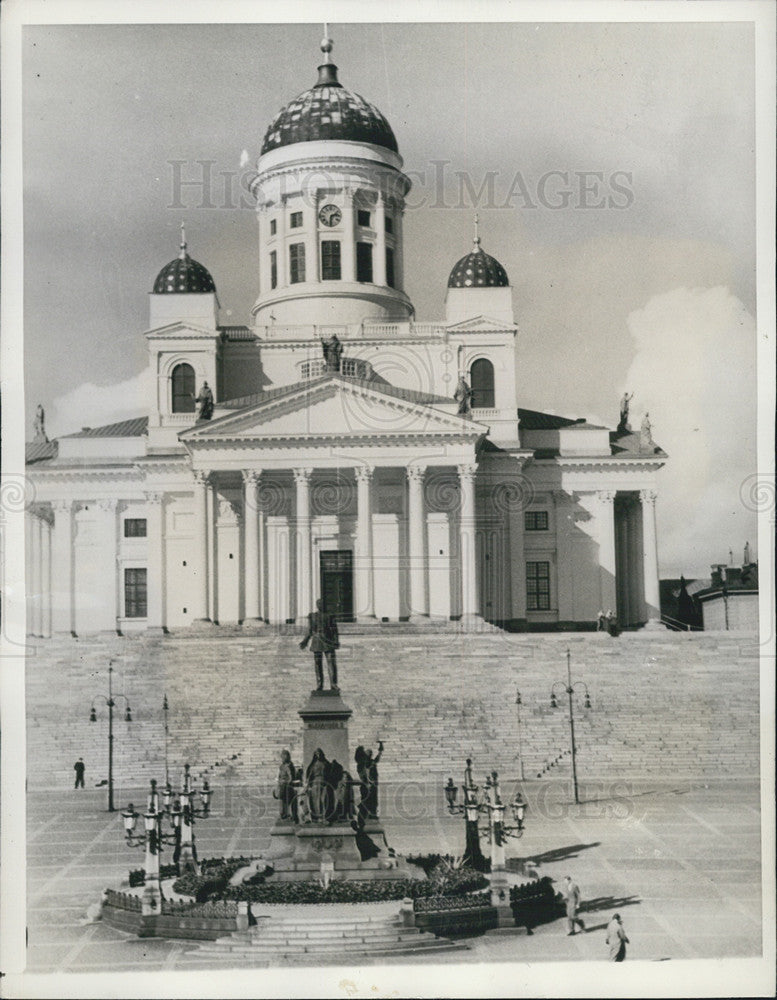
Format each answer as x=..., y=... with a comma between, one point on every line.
x=679, y=626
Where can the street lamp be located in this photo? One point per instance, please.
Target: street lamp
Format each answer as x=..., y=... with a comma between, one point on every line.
x=570, y=689
x=165, y=710
x=152, y=838
x=109, y=701
x=496, y=830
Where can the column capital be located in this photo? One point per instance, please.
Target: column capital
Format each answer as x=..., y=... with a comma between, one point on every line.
x=201, y=476
x=467, y=470
x=62, y=506
x=302, y=476
x=251, y=477
x=606, y=496
x=108, y=504
x=364, y=473
x=648, y=496
x=154, y=496
x=415, y=473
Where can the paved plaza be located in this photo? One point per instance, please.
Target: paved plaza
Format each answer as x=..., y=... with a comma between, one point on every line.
x=681, y=862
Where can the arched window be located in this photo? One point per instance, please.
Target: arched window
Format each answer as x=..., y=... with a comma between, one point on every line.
x=482, y=384
x=183, y=389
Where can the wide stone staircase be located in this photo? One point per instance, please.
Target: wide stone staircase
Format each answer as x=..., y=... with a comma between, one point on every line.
x=318, y=938
x=661, y=703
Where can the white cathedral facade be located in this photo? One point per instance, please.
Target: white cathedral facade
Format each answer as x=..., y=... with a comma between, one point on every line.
x=350, y=453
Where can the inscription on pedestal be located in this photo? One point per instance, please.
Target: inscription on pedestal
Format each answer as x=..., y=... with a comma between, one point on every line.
x=321, y=724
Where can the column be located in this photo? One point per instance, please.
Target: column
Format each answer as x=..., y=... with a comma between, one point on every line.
x=467, y=526
x=155, y=563
x=313, y=264
x=36, y=580
x=517, y=555
x=109, y=596
x=399, y=251
x=650, y=557
x=379, y=263
x=200, y=596
x=45, y=610
x=302, y=483
x=415, y=530
x=62, y=569
x=365, y=599
x=606, y=526
x=349, y=239
x=253, y=529
x=283, y=250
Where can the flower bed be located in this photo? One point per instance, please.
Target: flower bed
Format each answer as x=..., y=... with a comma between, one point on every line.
x=212, y=881
x=443, y=903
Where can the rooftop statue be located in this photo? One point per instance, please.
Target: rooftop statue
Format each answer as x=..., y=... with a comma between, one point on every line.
x=463, y=396
x=205, y=400
x=623, y=422
x=333, y=351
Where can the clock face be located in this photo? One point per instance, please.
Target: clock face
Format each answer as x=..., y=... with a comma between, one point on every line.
x=330, y=215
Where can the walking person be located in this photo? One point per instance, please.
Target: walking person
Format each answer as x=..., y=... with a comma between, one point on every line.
x=571, y=891
x=616, y=939
x=79, y=767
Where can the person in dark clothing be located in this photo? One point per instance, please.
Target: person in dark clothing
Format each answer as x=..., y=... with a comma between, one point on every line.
x=79, y=767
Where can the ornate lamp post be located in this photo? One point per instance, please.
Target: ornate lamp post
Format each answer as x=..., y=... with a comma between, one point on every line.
x=165, y=710
x=570, y=688
x=152, y=838
x=109, y=701
x=180, y=812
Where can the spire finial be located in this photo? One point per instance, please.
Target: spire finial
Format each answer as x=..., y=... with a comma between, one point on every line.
x=326, y=44
x=476, y=241
x=182, y=253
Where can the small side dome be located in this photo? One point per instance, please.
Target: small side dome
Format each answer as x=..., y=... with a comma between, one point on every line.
x=183, y=275
x=478, y=270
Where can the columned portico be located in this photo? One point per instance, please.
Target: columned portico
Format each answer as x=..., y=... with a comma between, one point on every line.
x=415, y=537
x=365, y=586
x=650, y=556
x=201, y=533
x=467, y=535
x=302, y=484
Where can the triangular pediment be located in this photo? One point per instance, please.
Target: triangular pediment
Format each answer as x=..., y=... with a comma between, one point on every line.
x=482, y=324
x=181, y=329
x=334, y=409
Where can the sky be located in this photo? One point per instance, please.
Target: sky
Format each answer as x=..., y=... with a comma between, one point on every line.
x=612, y=167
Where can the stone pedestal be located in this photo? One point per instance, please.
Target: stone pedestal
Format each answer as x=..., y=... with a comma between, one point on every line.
x=325, y=716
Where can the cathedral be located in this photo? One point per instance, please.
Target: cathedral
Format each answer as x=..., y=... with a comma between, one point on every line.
x=336, y=448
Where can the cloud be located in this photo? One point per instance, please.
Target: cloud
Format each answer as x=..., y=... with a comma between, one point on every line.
x=99, y=404
x=694, y=371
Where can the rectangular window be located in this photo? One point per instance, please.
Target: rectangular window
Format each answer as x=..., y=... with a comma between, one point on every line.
x=537, y=586
x=273, y=227
x=296, y=263
x=135, y=593
x=390, y=267
x=330, y=260
x=363, y=217
x=273, y=269
x=135, y=527
x=295, y=220
x=535, y=520
x=389, y=224
x=364, y=261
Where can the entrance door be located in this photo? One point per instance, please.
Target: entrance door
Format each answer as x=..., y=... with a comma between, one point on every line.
x=337, y=583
